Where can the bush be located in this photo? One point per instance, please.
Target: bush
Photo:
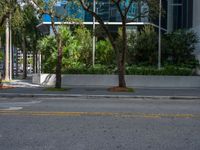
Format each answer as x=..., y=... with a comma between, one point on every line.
x=142, y=47
x=47, y=46
x=131, y=70
x=178, y=48
x=84, y=38
x=168, y=70
x=98, y=69
x=75, y=50
x=104, y=52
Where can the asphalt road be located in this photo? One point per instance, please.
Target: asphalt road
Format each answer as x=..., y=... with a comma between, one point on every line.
x=99, y=124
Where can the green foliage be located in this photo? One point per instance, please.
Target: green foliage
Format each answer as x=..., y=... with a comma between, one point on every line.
x=70, y=54
x=130, y=70
x=154, y=9
x=97, y=69
x=84, y=42
x=47, y=46
x=11, y=7
x=104, y=52
x=77, y=51
x=1, y=56
x=29, y=27
x=179, y=47
x=18, y=19
x=142, y=47
x=168, y=70
x=71, y=50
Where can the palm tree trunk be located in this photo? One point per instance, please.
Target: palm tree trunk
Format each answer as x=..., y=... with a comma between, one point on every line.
x=17, y=65
x=24, y=57
x=122, y=57
x=1, y=60
x=7, y=75
x=0, y=42
x=121, y=74
x=34, y=61
x=59, y=64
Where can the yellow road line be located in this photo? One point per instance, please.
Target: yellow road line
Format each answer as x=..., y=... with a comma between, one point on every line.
x=113, y=114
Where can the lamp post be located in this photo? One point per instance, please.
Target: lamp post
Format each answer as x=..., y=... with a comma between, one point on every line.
x=94, y=38
x=159, y=36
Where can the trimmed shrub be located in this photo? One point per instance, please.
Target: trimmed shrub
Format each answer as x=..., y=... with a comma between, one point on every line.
x=131, y=70
x=168, y=70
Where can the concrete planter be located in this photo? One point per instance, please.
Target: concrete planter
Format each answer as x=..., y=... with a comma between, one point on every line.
x=112, y=80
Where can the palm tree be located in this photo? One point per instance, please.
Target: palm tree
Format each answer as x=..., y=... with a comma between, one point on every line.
x=7, y=9
x=23, y=21
x=48, y=8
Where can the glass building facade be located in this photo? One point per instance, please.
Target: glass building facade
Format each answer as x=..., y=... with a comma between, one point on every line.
x=104, y=8
x=180, y=14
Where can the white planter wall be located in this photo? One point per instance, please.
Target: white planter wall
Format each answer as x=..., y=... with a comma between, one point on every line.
x=112, y=80
x=196, y=24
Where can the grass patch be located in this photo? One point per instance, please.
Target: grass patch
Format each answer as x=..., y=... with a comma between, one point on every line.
x=56, y=89
x=121, y=89
x=6, y=81
x=131, y=90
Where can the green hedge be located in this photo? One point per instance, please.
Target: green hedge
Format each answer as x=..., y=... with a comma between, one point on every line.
x=169, y=70
x=89, y=70
x=131, y=70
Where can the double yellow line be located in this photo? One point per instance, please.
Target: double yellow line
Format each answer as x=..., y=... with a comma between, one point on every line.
x=111, y=114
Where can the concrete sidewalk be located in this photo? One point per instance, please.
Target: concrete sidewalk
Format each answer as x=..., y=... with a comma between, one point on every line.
x=24, y=88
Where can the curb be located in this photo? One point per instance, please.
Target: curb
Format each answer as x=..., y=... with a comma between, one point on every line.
x=14, y=95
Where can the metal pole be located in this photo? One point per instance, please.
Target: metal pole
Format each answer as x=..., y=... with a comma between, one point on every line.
x=94, y=38
x=159, y=36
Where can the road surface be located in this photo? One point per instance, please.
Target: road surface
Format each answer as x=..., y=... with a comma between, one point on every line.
x=99, y=124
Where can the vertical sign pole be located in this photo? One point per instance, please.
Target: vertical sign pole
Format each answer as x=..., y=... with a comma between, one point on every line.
x=94, y=38
x=159, y=38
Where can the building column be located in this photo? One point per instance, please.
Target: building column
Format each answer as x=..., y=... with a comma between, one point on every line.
x=196, y=25
x=170, y=11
